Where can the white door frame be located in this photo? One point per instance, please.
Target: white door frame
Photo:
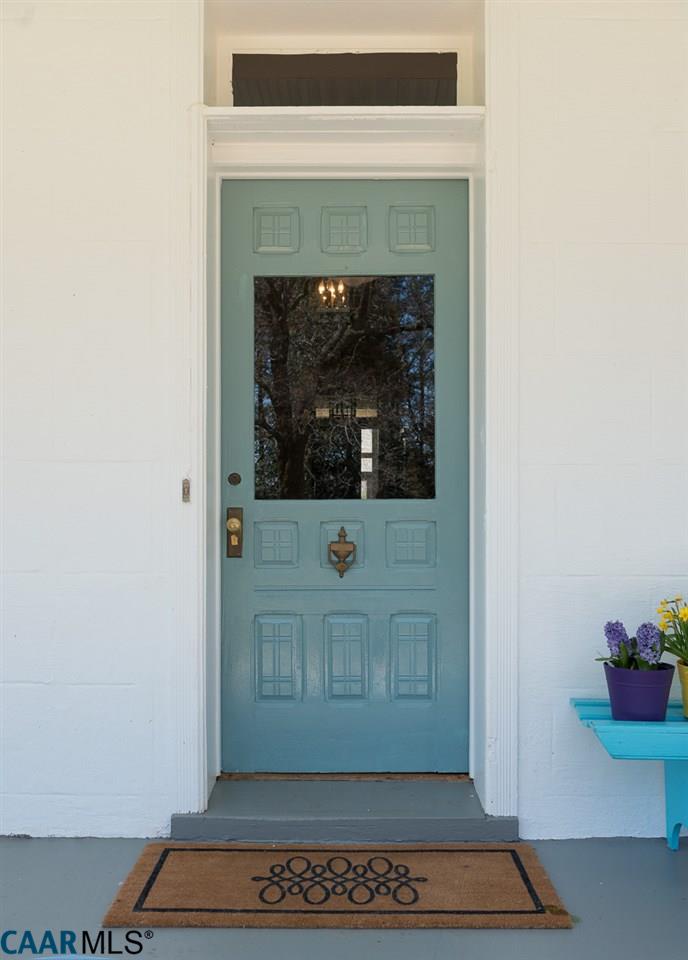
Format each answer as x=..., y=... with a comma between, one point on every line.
x=370, y=143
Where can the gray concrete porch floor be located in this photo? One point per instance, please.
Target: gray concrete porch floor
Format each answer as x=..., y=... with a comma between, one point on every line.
x=349, y=810
x=630, y=898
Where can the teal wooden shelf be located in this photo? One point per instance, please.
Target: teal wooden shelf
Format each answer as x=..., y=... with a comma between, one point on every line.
x=639, y=740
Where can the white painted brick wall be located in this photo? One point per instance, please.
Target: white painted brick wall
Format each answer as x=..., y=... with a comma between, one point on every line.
x=603, y=211
x=95, y=411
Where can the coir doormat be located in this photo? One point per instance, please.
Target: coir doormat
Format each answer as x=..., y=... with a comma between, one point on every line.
x=362, y=886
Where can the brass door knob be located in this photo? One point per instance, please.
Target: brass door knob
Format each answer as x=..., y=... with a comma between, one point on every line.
x=235, y=531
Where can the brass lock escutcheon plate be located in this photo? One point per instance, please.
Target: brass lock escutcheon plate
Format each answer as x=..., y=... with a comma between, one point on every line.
x=341, y=553
x=235, y=531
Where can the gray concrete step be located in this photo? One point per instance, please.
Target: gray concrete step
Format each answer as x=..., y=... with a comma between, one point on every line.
x=319, y=811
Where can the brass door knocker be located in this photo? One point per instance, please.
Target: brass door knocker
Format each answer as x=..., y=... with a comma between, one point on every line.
x=341, y=553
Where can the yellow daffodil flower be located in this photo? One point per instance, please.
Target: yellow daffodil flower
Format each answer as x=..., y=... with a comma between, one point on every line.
x=683, y=614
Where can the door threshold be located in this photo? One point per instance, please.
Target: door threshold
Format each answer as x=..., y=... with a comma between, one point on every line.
x=370, y=777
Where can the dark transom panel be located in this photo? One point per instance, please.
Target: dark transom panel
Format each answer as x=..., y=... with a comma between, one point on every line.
x=344, y=79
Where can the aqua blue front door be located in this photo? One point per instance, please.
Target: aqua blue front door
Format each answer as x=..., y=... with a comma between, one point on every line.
x=345, y=407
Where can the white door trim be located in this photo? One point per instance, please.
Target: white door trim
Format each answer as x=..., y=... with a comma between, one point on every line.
x=502, y=420
x=386, y=143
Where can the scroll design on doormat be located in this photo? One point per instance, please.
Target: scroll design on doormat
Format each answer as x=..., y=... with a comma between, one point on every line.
x=360, y=883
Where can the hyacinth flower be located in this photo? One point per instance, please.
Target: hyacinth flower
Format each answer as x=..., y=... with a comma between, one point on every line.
x=641, y=652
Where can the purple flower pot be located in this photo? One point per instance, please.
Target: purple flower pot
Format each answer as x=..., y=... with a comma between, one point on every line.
x=639, y=694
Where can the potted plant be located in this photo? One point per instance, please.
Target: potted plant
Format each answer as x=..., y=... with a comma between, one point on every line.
x=674, y=626
x=638, y=682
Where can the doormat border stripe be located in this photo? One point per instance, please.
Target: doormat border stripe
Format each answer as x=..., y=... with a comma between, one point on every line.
x=150, y=883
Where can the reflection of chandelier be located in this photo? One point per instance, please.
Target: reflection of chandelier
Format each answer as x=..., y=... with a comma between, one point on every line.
x=332, y=294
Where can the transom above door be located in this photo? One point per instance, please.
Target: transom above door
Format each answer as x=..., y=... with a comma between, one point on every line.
x=345, y=448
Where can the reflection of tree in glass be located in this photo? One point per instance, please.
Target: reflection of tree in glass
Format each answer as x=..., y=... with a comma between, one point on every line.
x=322, y=376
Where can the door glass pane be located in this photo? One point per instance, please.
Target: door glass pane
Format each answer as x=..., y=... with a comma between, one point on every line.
x=344, y=387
